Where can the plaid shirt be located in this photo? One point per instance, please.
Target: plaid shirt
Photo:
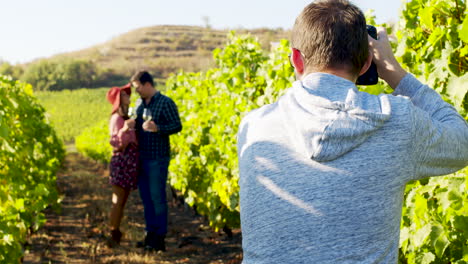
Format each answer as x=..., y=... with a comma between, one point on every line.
x=156, y=145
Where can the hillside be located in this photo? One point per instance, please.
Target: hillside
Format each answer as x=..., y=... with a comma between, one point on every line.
x=165, y=49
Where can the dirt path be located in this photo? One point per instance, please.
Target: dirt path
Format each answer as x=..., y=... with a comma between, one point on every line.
x=77, y=233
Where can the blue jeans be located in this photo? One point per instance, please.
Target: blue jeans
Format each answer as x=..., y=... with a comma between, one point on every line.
x=152, y=185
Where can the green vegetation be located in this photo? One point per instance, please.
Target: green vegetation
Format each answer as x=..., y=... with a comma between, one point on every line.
x=14, y=71
x=433, y=44
x=93, y=142
x=53, y=75
x=205, y=166
x=30, y=155
x=70, y=112
x=434, y=226
x=63, y=73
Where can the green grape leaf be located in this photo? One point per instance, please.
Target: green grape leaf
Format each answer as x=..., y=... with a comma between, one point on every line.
x=460, y=222
x=41, y=190
x=4, y=131
x=19, y=204
x=439, y=240
x=457, y=89
x=463, y=30
x=426, y=17
x=465, y=253
x=444, y=200
x=421, y=235
x=404, y=236
x=464, y=51
x=456, y=198
x=435, y=36
x=8, y=147
x=425, y=258
x=421, y=206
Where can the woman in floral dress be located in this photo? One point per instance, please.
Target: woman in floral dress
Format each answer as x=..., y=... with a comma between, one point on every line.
x=124, y=161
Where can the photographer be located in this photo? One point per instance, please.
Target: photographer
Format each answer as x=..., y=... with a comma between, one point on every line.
x=323, y=170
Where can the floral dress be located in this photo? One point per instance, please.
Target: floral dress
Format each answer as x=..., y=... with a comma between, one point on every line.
x=124, y=163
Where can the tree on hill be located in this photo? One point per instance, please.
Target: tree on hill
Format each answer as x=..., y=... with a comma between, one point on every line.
x=54, y=75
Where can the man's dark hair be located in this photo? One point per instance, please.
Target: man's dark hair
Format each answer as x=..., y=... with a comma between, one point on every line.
x=330, y=33
x=143, y=77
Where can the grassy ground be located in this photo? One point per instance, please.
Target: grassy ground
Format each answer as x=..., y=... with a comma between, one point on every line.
x=77, y=234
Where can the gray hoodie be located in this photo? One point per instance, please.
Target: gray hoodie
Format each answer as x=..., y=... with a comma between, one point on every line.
x=323, y=170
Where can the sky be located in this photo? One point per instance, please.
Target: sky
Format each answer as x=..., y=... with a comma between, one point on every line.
x=32, y=29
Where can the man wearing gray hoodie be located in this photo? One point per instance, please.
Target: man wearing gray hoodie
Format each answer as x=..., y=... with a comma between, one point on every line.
x=323, y=170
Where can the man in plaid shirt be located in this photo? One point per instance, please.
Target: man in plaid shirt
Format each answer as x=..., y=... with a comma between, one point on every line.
x=154, y=148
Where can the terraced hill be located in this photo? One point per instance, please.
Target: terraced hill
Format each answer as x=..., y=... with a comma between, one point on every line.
x=166, y=49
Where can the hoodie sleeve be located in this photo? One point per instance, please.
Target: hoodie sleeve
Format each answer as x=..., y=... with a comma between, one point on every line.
x=440, y=141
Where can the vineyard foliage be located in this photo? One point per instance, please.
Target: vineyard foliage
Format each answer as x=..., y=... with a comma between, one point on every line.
x=30, y=155
x=433, y=44
x=211, y=106
x=72, y=111
x=93, y=142
x=434, y=226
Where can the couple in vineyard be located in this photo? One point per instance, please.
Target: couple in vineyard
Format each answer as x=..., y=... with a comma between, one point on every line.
x=323, y=170
x=141, y=152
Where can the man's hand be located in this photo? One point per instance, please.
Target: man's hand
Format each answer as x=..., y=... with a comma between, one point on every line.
x=150, y=126
x=388, y=67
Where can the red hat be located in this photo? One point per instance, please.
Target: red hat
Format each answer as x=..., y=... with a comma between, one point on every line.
x=113, y=95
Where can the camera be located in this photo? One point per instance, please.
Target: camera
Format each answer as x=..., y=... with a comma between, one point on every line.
x=370, y=77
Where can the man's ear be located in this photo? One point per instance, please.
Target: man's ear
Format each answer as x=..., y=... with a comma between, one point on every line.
x=367, y=64
x=297, y=60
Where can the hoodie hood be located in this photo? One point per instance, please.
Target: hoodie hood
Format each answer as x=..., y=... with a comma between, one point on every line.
x=327, y=117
